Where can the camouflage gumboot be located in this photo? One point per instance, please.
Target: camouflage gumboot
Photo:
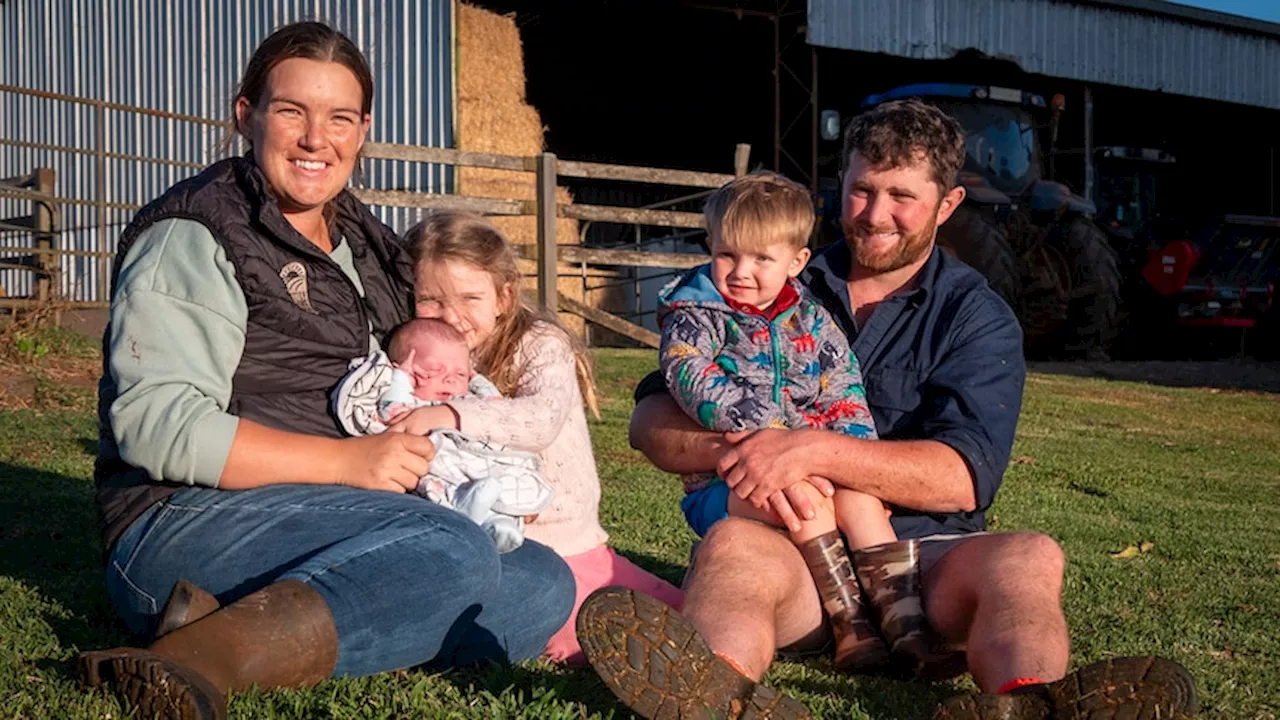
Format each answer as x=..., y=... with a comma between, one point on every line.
x=859, y=646
x=890, y=576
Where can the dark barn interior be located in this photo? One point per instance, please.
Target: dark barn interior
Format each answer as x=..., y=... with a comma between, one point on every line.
x=678, y=83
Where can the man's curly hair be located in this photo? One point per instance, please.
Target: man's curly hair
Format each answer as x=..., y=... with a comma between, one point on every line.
x=899, y=133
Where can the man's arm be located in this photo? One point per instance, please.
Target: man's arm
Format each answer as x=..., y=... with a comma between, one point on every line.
x=925, y=475
x=672, y=440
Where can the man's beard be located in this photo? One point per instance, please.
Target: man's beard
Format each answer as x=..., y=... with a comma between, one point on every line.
x=906, y=251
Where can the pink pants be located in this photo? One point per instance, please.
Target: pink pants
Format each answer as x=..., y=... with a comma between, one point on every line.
x=593, y=570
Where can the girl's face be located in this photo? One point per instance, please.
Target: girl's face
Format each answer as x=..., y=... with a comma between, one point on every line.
x=463, y=295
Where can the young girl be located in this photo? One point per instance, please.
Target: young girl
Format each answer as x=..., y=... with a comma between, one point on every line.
x=465, y=274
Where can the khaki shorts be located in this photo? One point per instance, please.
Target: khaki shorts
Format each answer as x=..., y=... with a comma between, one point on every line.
x=932, y=550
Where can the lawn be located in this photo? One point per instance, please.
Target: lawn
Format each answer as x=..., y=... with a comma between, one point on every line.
x=1165, y=501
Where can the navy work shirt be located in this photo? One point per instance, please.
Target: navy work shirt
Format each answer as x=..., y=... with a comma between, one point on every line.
x=941, y=361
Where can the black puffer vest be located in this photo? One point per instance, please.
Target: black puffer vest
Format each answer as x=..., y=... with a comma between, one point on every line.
x=306, y=319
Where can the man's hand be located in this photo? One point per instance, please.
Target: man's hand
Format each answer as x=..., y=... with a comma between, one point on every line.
x=424, y=419
x=391, y=462
x=762, y=463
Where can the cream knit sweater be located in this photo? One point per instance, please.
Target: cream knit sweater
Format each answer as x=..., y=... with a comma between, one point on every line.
x=546, y=416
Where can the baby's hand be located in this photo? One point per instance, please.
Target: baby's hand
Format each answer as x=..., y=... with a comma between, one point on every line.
x=395, y=412
x=408, y=361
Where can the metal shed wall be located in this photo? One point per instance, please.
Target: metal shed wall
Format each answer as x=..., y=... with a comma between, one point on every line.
x=1147, y=45
x=186, y=56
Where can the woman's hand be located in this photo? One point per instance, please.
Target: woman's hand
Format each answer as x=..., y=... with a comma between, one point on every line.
x=390, y=462
x=425, y=419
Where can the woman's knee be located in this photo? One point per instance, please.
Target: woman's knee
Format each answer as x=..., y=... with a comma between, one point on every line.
x=556, y=588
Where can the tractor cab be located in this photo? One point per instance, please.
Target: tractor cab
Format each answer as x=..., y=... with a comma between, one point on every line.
x=1132, y=188
x=1003, y=150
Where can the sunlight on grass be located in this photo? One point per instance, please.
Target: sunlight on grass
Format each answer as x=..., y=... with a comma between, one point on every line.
x=1189, y=475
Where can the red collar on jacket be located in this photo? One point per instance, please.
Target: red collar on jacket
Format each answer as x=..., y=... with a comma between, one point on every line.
x=786, y=299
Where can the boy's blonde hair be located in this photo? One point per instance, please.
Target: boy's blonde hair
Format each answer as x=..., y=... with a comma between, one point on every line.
x=445, y=235
x=758, y=210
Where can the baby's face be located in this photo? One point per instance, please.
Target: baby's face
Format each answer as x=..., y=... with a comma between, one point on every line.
x=440, y=370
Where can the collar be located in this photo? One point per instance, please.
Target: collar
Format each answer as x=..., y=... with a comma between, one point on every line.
x=831, y=269
x=788, y=298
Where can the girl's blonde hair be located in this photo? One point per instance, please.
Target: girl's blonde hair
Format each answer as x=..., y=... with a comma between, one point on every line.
x=445, y=235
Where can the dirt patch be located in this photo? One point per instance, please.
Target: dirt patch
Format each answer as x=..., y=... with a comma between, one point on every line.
x=25, y=387
x=1233, y=375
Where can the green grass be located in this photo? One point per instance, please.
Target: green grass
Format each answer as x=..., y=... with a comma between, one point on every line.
x=1098, y=465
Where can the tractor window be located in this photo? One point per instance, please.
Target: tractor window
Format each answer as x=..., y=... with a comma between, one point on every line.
x=1000, y=144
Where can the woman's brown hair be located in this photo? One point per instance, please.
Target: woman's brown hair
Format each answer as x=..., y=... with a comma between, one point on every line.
x=307, y=40
x=467, y=237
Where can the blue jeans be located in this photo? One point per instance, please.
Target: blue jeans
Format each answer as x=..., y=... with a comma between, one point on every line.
x=408, y=582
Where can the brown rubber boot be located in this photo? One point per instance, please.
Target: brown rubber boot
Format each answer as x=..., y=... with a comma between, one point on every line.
x=1127, y=687
x=282, y=636
x=858, y=644
x=187, y=603
x=654, y=660
x=890, y=575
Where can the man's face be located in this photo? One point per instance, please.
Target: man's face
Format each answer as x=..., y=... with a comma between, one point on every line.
x=890, y=216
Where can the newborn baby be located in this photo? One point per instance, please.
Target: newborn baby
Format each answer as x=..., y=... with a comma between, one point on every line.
x=428, y=364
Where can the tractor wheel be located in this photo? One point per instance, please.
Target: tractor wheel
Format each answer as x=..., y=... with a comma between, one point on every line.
x=1093, y=310
x=979, y=244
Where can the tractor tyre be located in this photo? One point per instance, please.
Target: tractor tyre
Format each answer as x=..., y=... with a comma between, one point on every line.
x=978, y=243
x=1093, y=311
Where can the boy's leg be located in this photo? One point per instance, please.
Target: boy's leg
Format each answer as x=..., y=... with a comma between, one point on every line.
x=889, y=572
x=863, y=519
x=858, y=645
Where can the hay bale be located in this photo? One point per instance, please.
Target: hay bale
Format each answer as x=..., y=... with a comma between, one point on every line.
x=493, y=117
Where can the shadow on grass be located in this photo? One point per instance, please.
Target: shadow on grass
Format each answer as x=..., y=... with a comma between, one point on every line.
x=49, y=542
x=1242, y=375
x=664, y=569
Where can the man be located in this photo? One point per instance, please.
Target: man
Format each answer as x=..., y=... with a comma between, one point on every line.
x=941, y=355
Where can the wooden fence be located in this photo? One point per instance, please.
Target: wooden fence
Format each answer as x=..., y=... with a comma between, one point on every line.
x=546, y=168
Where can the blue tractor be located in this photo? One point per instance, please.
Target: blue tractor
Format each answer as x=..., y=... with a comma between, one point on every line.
x=1034, y=240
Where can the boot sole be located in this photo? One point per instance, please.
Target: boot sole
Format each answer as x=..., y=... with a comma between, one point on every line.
x=653, y=660
x=1142, y=688
x=154, y=686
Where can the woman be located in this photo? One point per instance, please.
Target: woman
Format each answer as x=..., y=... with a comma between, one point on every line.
x=288, y=553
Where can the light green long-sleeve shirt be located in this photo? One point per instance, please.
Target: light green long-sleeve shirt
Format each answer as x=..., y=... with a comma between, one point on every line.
x=178, y=323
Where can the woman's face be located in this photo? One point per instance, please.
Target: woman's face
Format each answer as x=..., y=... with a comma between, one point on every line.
x=306, y=131
x=463, y=295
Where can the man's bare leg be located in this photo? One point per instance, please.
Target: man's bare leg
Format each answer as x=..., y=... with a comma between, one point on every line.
x=751, y=593
x=1000, y=596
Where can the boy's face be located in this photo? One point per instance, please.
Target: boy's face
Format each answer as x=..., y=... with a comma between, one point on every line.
x=440, y=370
x=755, y=277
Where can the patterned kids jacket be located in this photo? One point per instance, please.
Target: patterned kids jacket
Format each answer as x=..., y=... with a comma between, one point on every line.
x=734, y=370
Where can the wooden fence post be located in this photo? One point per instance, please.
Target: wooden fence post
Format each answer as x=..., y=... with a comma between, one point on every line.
x=741, y=156
x=548, y=292
x=42, y=224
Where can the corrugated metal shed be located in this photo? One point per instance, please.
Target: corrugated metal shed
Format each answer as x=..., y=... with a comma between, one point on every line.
x=186, y=56
x=1145, y=44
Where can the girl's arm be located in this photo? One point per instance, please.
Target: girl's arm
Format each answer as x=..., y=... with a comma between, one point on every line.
x=532, y=417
